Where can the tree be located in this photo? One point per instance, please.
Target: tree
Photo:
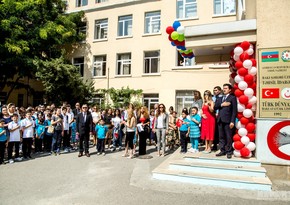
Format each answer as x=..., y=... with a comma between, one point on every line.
x=33, y=30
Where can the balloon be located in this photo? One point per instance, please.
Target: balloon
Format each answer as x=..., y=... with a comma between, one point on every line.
x=238, y=92
x=254, y=63
x=242, y=131
x=250, y=51
x=239, y=78
x=180, y=29
x=253, y=71
x=245, y=45
x=176, y=24
x=249, y=92
x=180, y=37
x=251, y=146
x=253, y=86
x=245, y=152
x=244, y=56
x=239, y=64
x=241, y=107
x=249, y=106
x=174, y=35
x=247, y=113
x=238, y=145
x=247, y=64
x=169, y=38
x=172, y=43
x=236, y=58
x=254, y=107
x=251, y=136
x=245, y=140
x=238, y=50
x=178, y=122
x=239, y=125
x=242, y=71
x=169, y=29
x=249, y=79
x=243, y=99
x=251, y=127
x=244, y=120
x=236, y=137
x=240, y=115
x=250, y=155
x=243, y=85
x=237, y=153
x=253, y=100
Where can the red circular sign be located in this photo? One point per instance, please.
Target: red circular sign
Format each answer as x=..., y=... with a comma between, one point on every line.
x=273, y=139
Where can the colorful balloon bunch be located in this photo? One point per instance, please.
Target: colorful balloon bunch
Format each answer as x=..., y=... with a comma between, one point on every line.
x=176, y=37
x=243, y=78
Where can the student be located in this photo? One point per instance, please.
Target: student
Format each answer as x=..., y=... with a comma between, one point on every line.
x=27, y=126
x=56, y=121
x=101, y=130
x=194, y=133
x=184, y=132
x=47, y=139
x=73, y=135
x=130, y=132
x=117, y=133
x=65, y=133
x=3, y=140
x=40, y=130
x=14, y=140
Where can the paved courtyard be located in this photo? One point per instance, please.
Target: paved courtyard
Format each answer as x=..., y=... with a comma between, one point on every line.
x=110, y=179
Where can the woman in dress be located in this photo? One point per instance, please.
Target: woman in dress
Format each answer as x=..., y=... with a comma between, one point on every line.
x=207, y=121
x=130, y=132
x=143, y=121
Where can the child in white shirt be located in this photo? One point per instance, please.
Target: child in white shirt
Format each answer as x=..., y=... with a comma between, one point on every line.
x=14, y=140
x=27, y=126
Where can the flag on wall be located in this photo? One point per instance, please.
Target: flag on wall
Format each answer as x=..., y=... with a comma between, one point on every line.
x=270, y=93
x=271, y=56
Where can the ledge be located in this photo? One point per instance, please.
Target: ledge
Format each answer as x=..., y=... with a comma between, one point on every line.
x=223, y=15
x=151, y=34
x=150, y=74
x=99, y=77
x=123, y=37
x=194, y=67
x=188, y=19
x=122, y=76
x=100, y=40
x=222, y=66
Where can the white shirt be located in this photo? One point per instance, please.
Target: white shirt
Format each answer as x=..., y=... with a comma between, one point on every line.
x=28, y=132
x=65, y=121
x=15, y=135
x=96, y=116
x=160, y=121
x=70, y=117
x=116, y=121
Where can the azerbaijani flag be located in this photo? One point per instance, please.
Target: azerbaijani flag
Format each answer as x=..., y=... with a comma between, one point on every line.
x=271, y=56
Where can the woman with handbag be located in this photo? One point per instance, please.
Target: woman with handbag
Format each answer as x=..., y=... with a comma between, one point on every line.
x=143, y=122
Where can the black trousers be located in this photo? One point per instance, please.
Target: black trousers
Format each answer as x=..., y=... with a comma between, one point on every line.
x=26, y=146
x=2, y=151
x=66, y=139
x=225, y=138
x=101, y=145
x=84, y=143
x=143, y=136
x=38, y=144
x=183, y=141
x=47, y=141
x=10, y=149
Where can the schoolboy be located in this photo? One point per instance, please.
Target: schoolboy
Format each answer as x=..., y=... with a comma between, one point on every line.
x=27, y=126
x=14, y=139
x=101, y=131
x=3, y=141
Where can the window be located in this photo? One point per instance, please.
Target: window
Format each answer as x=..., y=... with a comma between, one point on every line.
x=184, y=99
x=186, y=8
x=98, y=101
x=150, y=100
x=223, y=7
x=101, y=29
x=125, y=26
x=101, y=1
x=79, y=62
x=38, y=98
x=124, y=64
x=82, y=29
x=185, y=61
x=99, y=66
x=151, y=61
x=20, y=100
x=152, y=22
x=80, y=3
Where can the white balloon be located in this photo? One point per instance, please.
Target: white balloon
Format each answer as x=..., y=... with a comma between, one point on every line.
x=254, y=107
x=237, y=153
x=243, y=131
x=236, y=58
x=241, y=107
x=180, y=30
x=252, y=71
x=247, y=64
x=239, y=125
x=251, y=46
x=248, y=113
x=251, y=146
x=250, y=51
x=253, y=100
x=238, y=51
x=238, y=78
x=249, y=92
x=245, y=140
x=243, y=85
x=250, y=155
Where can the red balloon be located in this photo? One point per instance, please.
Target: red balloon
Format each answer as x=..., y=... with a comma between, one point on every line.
x=238, y=92
x=169, y=38
x=239, y=64
x=240, y=115
x=233, y=75
x=236, y=137
x=242, y=71
x=244, y=120
x=249, y=79
x=245, y=152
x=250, y=127
x=252, y=119
x=251, y=136
x=249, y=106
x=243, y=99
x=238, y=145
x=244, y=56
x=245, y=45
x=253, y=86
x=178, y=122
x=254, y=63
x=236, y=86
x=169, y=29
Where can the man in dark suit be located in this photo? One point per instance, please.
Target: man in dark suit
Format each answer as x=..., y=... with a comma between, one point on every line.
x=77, y=109
x=84, y=125
x=227, y=106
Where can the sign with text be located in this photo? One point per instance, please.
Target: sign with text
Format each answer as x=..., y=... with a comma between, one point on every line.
x=274, y=83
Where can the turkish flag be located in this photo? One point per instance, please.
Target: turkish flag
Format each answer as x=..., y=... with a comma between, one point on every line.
x=270, y=93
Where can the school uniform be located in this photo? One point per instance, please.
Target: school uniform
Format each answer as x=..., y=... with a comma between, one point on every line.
x=14, y=140
x=3, y=139
x=40, y=129
x=101, y=131
x=27, y=137
x=183, y=131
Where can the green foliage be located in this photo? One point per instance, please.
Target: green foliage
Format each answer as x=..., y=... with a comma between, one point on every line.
x=119, y=97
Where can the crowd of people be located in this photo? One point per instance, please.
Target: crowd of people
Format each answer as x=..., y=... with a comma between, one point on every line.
x=56, y=130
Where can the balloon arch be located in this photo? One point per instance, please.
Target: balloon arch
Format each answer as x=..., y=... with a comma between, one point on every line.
x=243, y=78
